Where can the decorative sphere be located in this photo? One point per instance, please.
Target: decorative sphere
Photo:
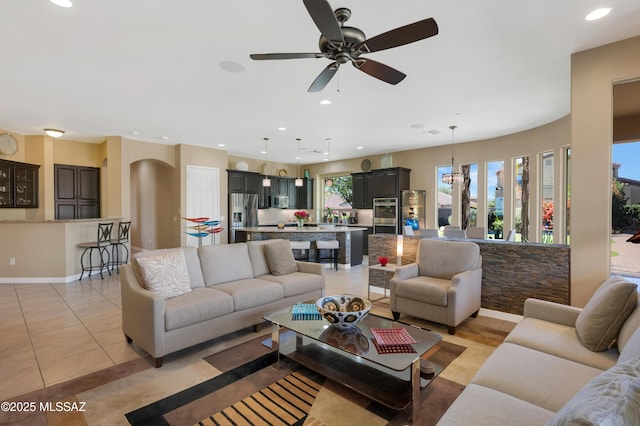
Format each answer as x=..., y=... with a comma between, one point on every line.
x=343, y=310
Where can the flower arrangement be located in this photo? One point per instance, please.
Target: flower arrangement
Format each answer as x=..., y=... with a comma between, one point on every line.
x=383, y=260
x=301, y=214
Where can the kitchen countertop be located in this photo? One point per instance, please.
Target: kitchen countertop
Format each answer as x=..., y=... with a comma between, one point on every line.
x=292, y=229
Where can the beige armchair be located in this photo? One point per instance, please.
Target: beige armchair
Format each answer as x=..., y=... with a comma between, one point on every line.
x=443, y=285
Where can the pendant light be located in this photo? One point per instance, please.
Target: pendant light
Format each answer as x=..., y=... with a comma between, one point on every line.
x=329, y=181
x=453, y=177
x=299, y=182
x=266, y=182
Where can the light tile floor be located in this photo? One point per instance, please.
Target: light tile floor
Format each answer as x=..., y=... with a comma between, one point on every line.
x=51, y=333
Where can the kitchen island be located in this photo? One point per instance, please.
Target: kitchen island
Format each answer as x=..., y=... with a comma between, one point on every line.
x=349, y=237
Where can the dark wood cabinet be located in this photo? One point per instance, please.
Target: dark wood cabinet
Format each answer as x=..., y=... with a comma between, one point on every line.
x=18, y=185
x=251, y=183
x=77, y=192
x=390, y=182
x=379, y=183
x=244, y=182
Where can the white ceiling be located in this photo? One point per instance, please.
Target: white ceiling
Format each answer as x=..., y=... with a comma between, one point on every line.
x=153, y=67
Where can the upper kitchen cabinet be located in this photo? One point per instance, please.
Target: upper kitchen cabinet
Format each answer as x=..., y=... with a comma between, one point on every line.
x=77, y=192
x=18, y=184
x=390, y=182
x=379, y=183
x=304, y=196
x=244, y=182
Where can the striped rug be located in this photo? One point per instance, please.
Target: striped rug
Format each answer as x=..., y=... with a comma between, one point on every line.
x=285, y=402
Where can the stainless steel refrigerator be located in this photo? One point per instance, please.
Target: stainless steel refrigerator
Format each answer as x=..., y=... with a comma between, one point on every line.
x=243, y=212
x=414, y=213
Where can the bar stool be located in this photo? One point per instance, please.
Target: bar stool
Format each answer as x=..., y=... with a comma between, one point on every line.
x=303, y=246
x=101, y=244
x=123, y=238
x=332, y=246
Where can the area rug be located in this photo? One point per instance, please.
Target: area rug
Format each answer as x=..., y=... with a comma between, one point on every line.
x=250, y=390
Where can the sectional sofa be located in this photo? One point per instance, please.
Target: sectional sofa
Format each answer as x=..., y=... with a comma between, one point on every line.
x=175, y=298
x=561, y=365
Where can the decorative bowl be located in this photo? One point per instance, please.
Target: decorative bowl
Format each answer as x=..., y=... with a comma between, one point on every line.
x=343, y=310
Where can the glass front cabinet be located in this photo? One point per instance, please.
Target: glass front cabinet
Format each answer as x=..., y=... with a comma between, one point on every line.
x=18, y=185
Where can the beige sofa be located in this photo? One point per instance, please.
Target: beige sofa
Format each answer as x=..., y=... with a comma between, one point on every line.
x=176, y=298
x=549, y=370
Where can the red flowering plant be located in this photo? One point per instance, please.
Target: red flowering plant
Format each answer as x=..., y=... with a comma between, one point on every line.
x=301, y=214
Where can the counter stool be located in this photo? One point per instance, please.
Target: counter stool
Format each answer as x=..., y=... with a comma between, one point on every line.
x=303, y=246
x=332, y=246
x=101, y=244
x=121, y=241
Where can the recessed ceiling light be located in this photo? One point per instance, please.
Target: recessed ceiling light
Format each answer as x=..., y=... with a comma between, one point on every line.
x=325, y=102
x=62, y=3
x=166, y=138
x=359, y=147
x=134, y=132
x=263, y=152
x=282, y=129
x=231, y=66
x=417, y=126
x=326, y=159
x=220, y=144
x=598, y=13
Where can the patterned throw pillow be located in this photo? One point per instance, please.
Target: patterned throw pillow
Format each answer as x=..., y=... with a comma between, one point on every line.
x=165, y=274
x=610, y=398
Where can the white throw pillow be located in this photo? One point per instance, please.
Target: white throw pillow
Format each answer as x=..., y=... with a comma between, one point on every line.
x=610, y=398
x=165, y=274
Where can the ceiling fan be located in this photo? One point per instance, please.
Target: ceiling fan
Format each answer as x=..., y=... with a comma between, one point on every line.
x=343, y=44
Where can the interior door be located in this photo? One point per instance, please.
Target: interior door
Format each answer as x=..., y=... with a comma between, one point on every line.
x=203, y=200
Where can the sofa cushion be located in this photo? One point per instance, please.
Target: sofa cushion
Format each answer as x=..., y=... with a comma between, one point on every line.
x=225, y=263
x=424, y=289
x=280, y=257
x=559, y=340
x=631, y=348
x=297, y=282
x=611, y=398
x=200, y=305
x=165, y=273
x=599, y=322
x=481, y=406
x=258, y=258
x=444, y=259
x=190, y=255
x=629, y=327
x=252, y=292
x=536, y=377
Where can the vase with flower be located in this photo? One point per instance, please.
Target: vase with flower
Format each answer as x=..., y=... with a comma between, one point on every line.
x=329, y=215
x=300, y=217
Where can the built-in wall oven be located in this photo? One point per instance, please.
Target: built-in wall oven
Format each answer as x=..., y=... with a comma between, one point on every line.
x=385, y=215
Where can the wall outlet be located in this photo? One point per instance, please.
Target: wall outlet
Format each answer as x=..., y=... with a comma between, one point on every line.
x=12, y=261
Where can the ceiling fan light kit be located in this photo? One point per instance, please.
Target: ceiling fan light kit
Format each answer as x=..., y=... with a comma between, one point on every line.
x=343, y=44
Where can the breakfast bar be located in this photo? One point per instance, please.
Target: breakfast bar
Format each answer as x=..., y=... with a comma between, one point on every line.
x=350, y=239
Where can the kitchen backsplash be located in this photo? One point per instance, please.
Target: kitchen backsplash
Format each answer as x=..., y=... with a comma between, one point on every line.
x=273, y=216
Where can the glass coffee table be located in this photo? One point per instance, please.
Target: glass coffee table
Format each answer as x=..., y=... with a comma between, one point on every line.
x=350, y=357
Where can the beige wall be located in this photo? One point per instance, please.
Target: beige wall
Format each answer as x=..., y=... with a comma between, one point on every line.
x=593, y=73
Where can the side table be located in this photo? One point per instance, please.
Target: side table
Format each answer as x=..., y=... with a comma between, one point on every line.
x=389, y=270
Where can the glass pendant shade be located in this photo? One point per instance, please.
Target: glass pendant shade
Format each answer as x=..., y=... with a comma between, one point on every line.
x=266, y=182
x=453, y=178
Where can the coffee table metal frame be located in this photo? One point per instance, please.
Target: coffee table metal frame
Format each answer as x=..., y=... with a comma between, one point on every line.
x=390, y=379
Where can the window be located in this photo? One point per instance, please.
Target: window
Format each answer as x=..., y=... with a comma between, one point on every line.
x=470, y=195
x=547, y=176
x=337, y=194
x=521, y=198
x=495, y=198
x=445, y=198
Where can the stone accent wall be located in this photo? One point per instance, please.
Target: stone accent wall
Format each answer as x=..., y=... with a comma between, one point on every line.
x=511, y=272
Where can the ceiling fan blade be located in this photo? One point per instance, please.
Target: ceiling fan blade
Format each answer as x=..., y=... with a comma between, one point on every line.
x=268, y=56
x=378, y=70
x=401, y=36
x=325, y=20
x=325, y=76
